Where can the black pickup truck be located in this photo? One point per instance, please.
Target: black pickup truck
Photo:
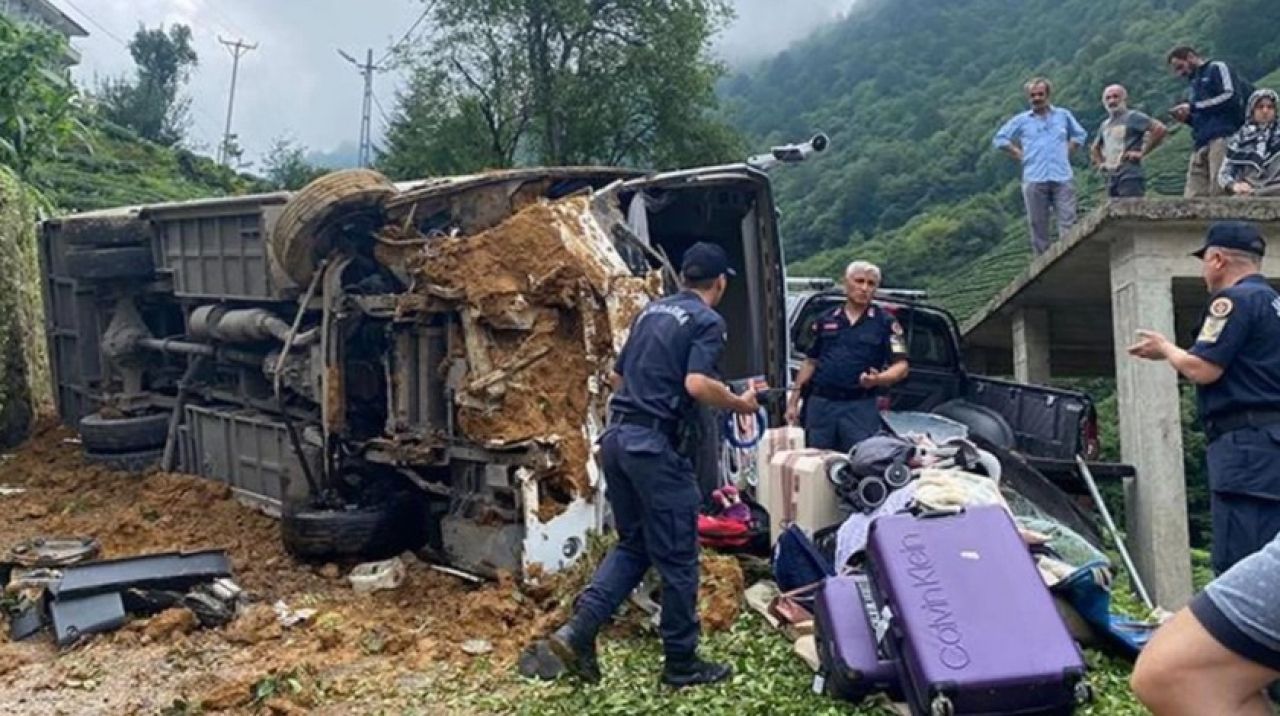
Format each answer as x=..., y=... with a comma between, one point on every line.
x=1047, y=426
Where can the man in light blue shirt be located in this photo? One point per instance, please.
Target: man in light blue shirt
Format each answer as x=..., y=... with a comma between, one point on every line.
x=1043, y=138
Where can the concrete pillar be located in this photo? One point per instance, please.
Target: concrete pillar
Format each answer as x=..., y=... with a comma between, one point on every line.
x=1031, y=346
x=1150, y=426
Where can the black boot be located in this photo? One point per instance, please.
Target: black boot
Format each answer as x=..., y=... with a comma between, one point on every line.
x=693, y=671
x=537, y=661
x=575, y=645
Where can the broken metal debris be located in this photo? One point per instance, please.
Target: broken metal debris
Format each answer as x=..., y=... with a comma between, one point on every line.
x=175, y=571
x=52, y=551
x=27, y=619
x=79, y=617
x=80, y=598
x=374, y=576
x=467, y=576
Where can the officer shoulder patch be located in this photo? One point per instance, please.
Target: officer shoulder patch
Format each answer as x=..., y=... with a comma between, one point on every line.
x=1221, y=307
x=896, y=327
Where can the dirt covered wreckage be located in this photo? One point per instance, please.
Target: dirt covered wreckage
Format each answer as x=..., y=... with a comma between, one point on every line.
x=385, y=365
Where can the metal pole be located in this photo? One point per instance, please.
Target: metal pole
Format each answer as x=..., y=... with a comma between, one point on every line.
x=365, y=139
x=237, y=49
x=367, y=69
x=1115, y=533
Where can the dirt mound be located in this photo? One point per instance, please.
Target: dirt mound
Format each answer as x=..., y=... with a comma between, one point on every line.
x=544, y=299
x=423, y=624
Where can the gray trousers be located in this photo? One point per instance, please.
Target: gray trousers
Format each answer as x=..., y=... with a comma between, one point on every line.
x=1042, y=197
x=1203, y=168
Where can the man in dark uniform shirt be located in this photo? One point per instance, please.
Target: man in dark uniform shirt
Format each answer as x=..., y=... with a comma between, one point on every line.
x=846, y=364
x=668, y=362
x=1235, y=364
x=1217, y=655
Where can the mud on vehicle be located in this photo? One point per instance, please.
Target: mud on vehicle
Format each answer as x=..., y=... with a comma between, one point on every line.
x=388, y=366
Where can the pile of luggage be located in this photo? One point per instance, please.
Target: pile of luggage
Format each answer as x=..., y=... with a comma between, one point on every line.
x=919, y=582
x=951, y=616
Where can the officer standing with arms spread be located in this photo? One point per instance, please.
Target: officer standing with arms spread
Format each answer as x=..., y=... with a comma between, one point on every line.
x=846, y=363
x=1235, y=364
x=668, y=362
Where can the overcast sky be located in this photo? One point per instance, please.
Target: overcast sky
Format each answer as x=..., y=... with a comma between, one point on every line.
x=295, y=84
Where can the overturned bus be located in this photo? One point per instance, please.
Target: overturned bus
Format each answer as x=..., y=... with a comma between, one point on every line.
x=389, y=366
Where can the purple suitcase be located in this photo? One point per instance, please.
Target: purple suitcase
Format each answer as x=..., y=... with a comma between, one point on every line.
x=851, y=663
x=972, y=627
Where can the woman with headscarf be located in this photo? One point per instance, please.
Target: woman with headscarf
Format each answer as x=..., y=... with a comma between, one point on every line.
x=1252, y=166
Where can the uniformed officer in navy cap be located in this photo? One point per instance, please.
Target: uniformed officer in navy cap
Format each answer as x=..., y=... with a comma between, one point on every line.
x=668, y=362
x=857, y=350
x=1235, y=364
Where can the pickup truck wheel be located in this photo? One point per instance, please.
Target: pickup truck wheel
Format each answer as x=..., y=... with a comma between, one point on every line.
x=981, y=421
x=137, y=461
x=116, y=263
x=314, y=533
x=100, y=434
x=113, y=231
x=300, y=238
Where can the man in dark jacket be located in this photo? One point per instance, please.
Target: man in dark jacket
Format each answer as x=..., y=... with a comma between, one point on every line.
x=1213, y=110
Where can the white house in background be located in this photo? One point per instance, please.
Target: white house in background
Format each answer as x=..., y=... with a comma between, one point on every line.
x=45, y=14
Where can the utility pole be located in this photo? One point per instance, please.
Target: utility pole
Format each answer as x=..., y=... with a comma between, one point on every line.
x=237, y=49
x=366, y=135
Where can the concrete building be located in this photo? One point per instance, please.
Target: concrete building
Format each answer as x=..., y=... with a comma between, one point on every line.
x=46, y=15
x=1074, y=311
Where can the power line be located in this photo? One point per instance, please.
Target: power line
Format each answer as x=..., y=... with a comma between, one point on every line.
x=213, y=6
x=386, y=121
x=98, y=25
x=237, y=50
x=407, y=33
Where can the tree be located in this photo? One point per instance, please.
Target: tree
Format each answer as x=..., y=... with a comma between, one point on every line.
x=564, y=82
x=37, y=100
x=438, y=130
x=150, y=104
x=287, y=167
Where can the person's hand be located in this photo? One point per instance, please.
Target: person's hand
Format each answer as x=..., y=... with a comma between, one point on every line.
x=1015, y=152
x=870, y=379
x=1242, y=188
x=747, y=403
x=793, y=413
x=1181, y=112
x=1134, y=155
x=1151, y=345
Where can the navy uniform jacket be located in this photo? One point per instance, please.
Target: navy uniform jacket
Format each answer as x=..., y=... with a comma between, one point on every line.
x=670, y=339
x=844, y=350
x=1241, y=334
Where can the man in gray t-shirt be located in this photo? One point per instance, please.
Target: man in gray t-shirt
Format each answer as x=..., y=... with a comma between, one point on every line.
x=1123, y=139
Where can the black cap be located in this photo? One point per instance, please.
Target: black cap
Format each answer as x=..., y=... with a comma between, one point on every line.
x=705, y=260
x=1238, y=235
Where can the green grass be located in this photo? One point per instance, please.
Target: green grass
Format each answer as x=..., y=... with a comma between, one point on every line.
x=769, y=679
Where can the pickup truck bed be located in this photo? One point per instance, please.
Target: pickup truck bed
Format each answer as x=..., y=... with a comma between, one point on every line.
x=1047, y=426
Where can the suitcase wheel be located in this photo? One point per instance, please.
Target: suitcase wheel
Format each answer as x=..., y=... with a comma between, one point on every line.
x=1084, y=693
x=941, y=706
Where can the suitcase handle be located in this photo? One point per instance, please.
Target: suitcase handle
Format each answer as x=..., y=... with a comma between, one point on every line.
x=935, y=513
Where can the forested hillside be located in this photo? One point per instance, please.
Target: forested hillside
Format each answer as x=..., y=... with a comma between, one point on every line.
x=911, y=92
